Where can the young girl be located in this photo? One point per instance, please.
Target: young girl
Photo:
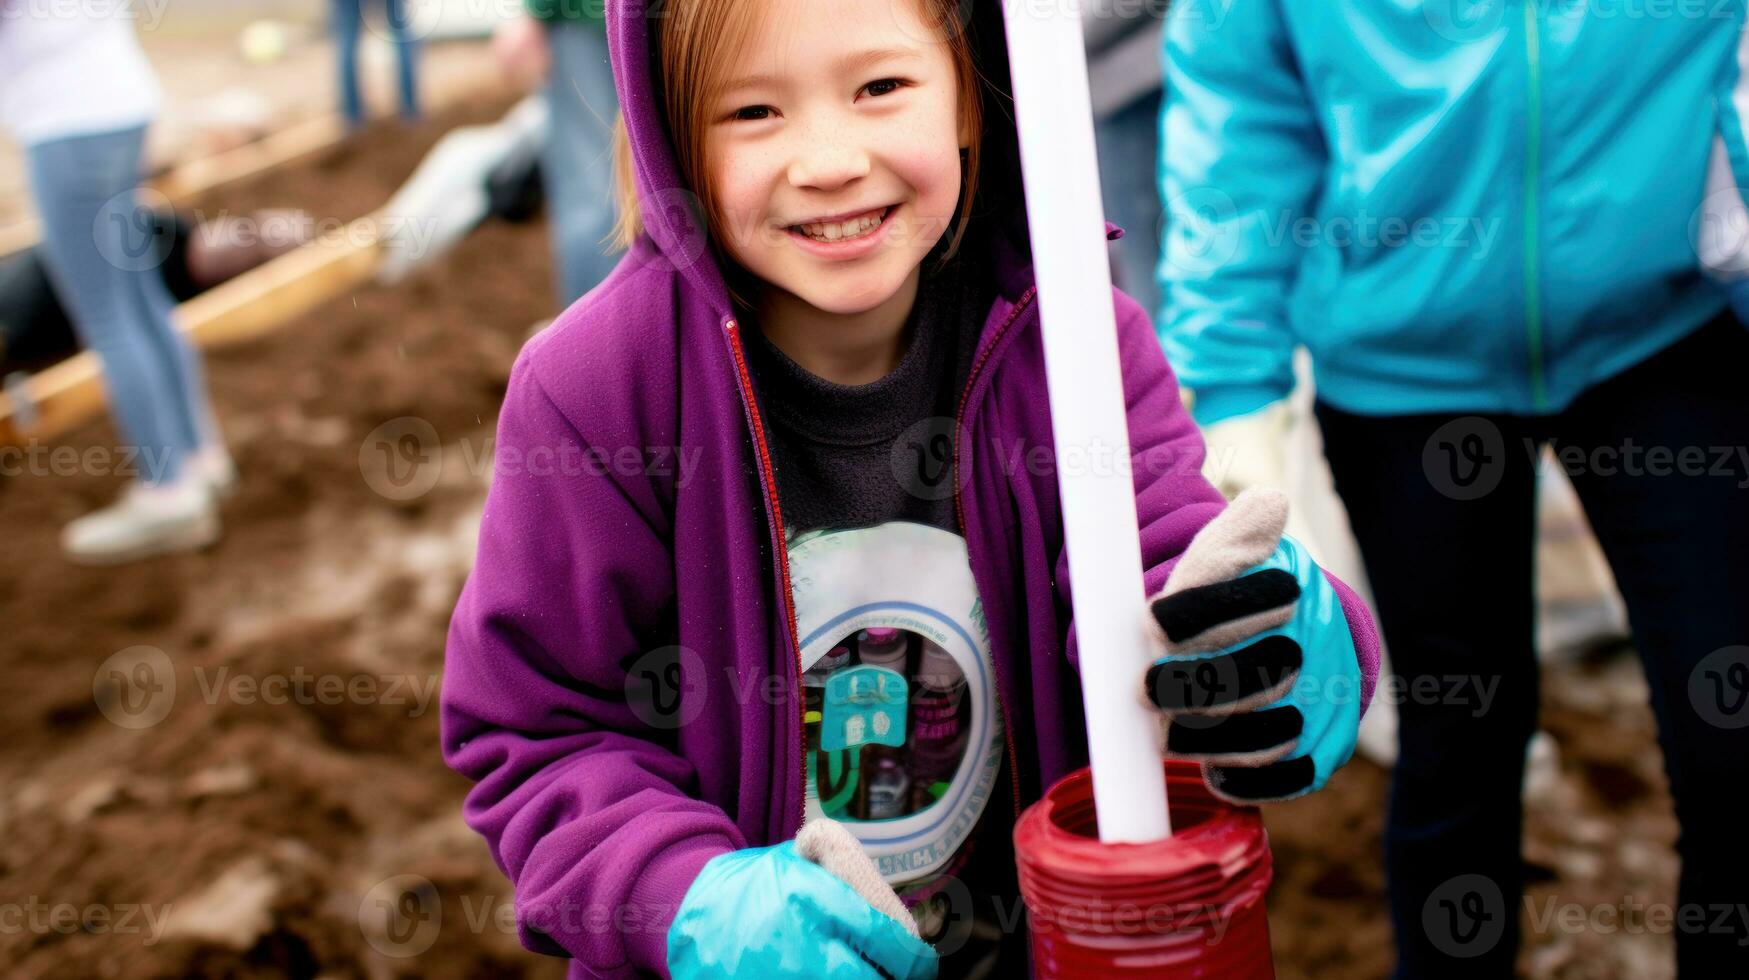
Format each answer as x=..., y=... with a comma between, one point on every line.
x=77, y=96
x=773, y=534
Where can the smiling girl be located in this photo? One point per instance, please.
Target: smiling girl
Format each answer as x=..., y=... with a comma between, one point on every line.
x=855, y=607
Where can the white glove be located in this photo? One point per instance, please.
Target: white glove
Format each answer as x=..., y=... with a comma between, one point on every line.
x=1249, y=450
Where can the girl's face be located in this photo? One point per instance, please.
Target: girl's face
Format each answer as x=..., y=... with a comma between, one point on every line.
x=838, y=109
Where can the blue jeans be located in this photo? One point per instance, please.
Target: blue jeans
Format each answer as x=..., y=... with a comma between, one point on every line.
x=1129, y=158
x=577, y=161
x=103, y=249
x=1444, y=508
x=348, y=17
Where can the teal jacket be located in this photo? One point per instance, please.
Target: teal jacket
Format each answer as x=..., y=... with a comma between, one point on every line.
x=1454, y=205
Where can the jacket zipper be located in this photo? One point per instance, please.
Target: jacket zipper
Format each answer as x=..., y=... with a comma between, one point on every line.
x=768, y=481
x=959, y=511
x=1532, y=174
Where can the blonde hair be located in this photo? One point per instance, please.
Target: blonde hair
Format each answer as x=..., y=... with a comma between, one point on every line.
x=696, y=45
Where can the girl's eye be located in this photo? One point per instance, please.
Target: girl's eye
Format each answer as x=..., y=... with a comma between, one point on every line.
x=759, y=113
x=885, y=86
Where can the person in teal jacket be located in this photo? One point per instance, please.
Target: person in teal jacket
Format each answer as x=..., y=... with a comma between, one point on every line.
x=1479, y=219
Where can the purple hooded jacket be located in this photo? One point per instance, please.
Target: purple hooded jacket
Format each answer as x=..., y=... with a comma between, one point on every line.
x=632, y=532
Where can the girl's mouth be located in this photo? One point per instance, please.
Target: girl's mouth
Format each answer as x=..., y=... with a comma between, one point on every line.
x=835, y=233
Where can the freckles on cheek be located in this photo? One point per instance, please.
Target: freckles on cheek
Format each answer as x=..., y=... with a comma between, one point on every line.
x=746, y=187
x=933, y=174
x=741, y=206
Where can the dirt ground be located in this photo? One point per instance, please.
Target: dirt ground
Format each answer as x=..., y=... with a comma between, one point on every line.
x=160, y=816
x=259, y=828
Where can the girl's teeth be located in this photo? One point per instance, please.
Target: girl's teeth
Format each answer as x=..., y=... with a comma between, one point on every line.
x=833, y=231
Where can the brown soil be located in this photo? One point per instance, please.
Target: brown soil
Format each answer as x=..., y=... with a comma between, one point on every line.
x=261, y=835
x=299, y=808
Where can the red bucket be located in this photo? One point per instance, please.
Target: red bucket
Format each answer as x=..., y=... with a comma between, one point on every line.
x=1190, y=906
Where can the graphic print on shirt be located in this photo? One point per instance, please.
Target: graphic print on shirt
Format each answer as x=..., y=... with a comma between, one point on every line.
x=904, y=739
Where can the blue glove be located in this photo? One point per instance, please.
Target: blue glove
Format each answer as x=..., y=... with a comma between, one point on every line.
x=768, y=912
x=1261, y=682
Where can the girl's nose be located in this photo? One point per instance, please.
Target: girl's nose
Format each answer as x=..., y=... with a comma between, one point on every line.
x=828, y=165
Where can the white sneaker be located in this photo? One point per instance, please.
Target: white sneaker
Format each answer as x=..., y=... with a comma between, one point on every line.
x=213, y=461
x=147, y=520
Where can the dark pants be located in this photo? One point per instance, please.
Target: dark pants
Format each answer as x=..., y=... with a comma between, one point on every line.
x=1444, y=510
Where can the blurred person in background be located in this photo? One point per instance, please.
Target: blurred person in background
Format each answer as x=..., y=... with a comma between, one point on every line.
x=36, y=329
x=1124, y=76
x=78, y=95
x=348, y=19
x=563, y=44
x=1480, y=227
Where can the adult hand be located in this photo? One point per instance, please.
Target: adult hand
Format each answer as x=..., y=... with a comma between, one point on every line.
x=1248, y=450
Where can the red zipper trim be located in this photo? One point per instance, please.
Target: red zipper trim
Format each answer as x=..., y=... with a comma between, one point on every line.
x=781, y=547
x=959, y=510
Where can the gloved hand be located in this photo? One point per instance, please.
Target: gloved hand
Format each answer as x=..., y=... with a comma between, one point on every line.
x=1248, y=450
x=1260, y=681
x=773, y=912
